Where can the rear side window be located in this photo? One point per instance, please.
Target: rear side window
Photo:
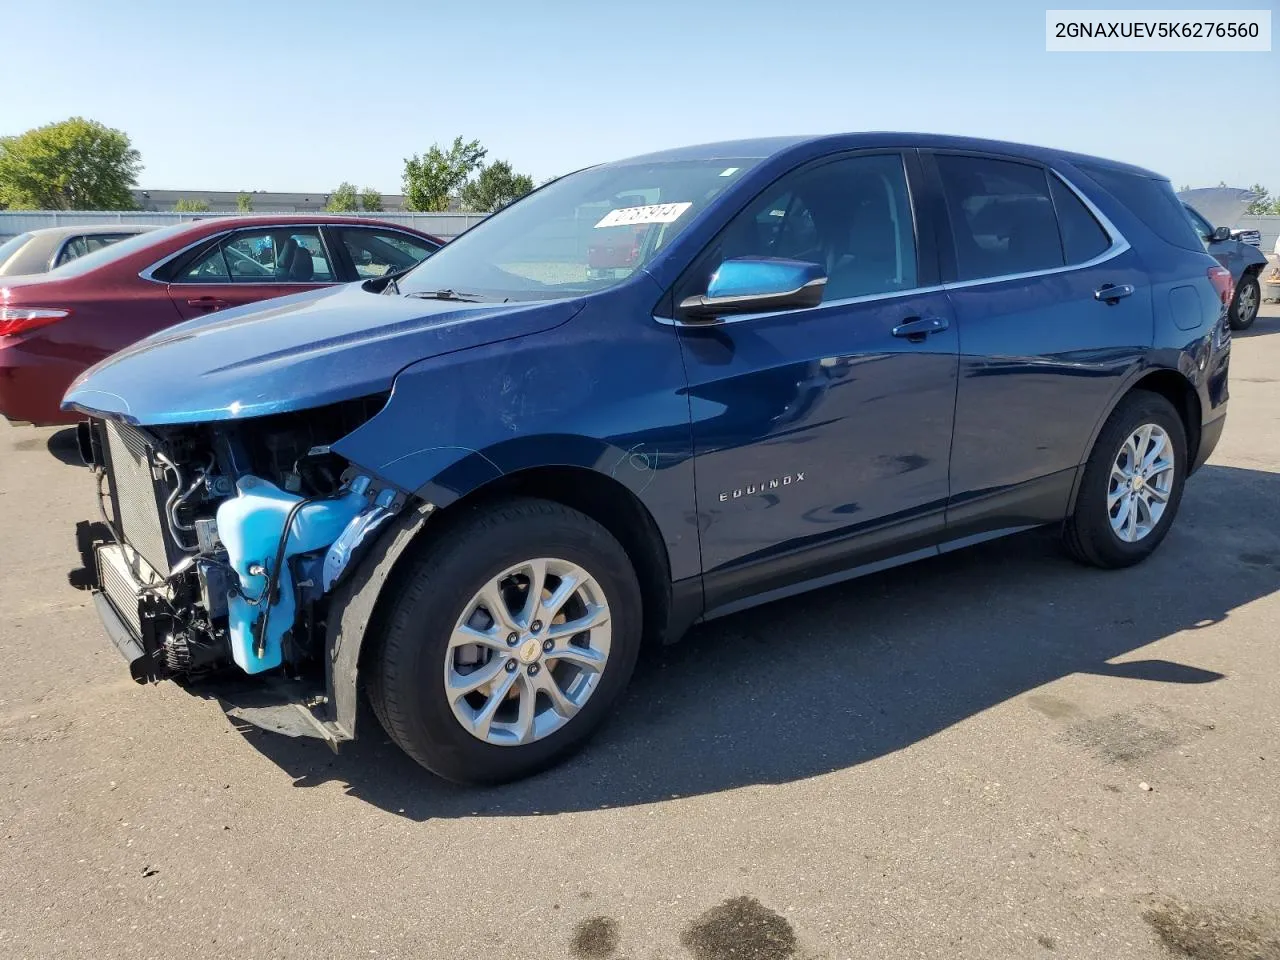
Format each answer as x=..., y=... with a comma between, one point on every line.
x=1150, y=200
x=1082, y=236
x=271, y=256
x=1002, y=217
x=74, y=247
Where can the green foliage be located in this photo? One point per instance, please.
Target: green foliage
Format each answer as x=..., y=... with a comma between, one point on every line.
x=77, y=164
x=370, y=200
x=244, y=203
x=1265, y=204
x=430, y=180
x=343, y=199
x=184, y=205
x=495, y=187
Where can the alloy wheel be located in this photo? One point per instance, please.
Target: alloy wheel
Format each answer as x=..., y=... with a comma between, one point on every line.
x=527, y=652
x=1141, y=482
x=1247, y=304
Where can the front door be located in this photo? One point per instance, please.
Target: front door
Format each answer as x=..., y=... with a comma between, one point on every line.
x=251, y=265
x=822, y=435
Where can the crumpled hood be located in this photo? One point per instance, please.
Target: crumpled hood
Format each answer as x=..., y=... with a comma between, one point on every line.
x=293, y=353
x=1221, y=206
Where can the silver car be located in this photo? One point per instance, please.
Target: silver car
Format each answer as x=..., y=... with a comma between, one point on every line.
x=1226, y=205
x=39, y=251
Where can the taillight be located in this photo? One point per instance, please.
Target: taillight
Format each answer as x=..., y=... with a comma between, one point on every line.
x=21, y=319
x=1220, y=277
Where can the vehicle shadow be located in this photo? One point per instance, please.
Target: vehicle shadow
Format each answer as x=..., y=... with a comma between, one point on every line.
x=1263, y=324
x=835, y=678
x=65, y=447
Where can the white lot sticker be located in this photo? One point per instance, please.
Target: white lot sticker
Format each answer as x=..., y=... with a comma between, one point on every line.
x=729, y=172
x=653, y=213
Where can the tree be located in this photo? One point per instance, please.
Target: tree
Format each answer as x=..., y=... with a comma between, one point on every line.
x=430, y=180
x=495, y=187
x=371, y=200
x=1265, y=203
x=343, y=199
x=185, y=205
x=244, y=203
x=77, y=164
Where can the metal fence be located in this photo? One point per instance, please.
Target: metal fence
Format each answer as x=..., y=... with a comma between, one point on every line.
x=445, y=225
x=13, y=222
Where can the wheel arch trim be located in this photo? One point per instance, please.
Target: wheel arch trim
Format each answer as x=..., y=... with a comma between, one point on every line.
x=1134, y=381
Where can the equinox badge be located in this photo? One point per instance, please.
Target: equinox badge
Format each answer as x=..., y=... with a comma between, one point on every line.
x=747, y=491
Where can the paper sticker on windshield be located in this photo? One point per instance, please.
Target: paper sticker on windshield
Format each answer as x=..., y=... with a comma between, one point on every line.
x=653, y=213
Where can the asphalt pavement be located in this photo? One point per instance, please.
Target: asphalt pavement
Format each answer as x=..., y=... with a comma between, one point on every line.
x=992, y=754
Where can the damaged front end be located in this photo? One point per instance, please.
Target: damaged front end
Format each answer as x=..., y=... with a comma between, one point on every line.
x=221, y=545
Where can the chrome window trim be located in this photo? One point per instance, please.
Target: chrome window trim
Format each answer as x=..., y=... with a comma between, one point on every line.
x=1118, y=246
x=219, y=237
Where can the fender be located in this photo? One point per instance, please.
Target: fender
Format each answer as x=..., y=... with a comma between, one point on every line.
x=351, y=610
x=564, y=398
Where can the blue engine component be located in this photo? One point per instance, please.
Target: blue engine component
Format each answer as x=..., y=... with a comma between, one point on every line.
x=250, y=525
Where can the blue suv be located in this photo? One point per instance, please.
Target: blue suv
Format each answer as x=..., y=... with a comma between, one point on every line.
x=648, y=394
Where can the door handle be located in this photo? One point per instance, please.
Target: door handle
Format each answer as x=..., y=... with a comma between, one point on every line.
x=1113, y=292
x=916, y=329
x=206, y=303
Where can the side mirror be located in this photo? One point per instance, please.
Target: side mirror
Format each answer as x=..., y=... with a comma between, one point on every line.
x=755, y=285
x=1219, y=234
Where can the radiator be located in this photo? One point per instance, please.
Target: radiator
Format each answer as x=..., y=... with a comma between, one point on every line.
x=139, y=488
x=124, y=576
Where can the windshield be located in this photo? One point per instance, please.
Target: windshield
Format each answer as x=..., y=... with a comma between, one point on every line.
x=117, y=251
x=12, y=246
x=582, y=233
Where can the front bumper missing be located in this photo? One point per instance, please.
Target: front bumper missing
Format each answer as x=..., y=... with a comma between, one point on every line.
x=293, y=708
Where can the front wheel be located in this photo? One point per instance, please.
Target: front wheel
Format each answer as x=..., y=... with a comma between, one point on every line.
x=513, y=634
x=1132, y=484
x=1244, y=305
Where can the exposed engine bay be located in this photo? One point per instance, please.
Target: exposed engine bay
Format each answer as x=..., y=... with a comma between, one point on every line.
x=223, y=541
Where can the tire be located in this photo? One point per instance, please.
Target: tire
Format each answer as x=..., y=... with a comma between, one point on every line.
x=1244, y=303
x=1089, y=534
x=407, y=673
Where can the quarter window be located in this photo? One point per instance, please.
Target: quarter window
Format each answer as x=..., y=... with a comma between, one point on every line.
x=1002, y=217
x=852, y=217
x=1082, y=236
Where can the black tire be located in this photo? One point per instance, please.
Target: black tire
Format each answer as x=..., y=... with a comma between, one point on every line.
x=1248, y=285
x=1088, y=535
x=404, y=676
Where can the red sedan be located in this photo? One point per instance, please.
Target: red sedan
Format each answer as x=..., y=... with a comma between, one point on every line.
x=55, y=325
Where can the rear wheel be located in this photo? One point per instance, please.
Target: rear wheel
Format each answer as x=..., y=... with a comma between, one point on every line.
x=1244, y=304
x=513, y=636
x=1132, y=484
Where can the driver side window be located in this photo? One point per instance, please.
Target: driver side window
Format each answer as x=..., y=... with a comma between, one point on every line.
x=852, y=217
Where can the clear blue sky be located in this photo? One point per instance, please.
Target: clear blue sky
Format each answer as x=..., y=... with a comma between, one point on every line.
x=300, y=96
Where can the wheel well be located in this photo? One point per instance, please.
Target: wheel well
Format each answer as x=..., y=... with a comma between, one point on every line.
x=605, y=501
x=1175, y=388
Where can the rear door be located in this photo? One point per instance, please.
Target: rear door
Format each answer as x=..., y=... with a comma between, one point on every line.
x=249, y=265
x=1053, y=312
